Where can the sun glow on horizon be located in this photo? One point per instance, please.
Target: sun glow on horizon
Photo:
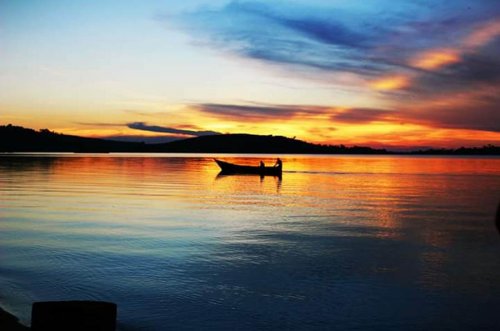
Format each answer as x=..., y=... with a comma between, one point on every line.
x=287, y=70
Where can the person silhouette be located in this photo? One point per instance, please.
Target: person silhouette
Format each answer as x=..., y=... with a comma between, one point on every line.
x=278, y=163
x=262, y=165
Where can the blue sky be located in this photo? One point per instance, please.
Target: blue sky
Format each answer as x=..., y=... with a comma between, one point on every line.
x=379, y=72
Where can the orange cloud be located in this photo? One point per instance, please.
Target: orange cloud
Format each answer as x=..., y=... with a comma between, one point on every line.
x=438, y=58
x=483, y=35
x=394, y=82
x=435, y=59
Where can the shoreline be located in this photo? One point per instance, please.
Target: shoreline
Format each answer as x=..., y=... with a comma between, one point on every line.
x=10, y=322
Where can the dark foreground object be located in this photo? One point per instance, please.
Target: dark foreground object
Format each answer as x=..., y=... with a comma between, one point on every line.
x=9, y=322
x=73, y=315
x=230, y=168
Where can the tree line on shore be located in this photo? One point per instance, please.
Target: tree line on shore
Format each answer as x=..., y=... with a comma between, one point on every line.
x=20, y=139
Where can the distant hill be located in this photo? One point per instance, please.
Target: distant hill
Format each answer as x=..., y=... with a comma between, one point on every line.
x=19, y=139
x=485, y=150
x=249, y=143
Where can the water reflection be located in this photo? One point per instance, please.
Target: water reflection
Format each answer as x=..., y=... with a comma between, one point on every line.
x=350, y=242
x=234, y=179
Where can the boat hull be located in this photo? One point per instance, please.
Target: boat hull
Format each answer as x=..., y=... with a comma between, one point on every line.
x=230, y=168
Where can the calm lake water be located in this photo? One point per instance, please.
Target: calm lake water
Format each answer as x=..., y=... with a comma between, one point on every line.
x=340, y=242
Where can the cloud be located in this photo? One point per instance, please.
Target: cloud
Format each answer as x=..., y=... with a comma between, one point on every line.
x=476, y=110
x=484, y=34
x=145, y=139
x=478, y=67
x=435, y=59
x=473, y=110
x=389, y=83
x=423, y=57
x=258, y=112
x=283, y=34
x=366, y=39
x=181, y=130
x=373, y=40
x=472, y=72
x=280, y=112
x=362, y=115
x=315, y=26
x=154, y=128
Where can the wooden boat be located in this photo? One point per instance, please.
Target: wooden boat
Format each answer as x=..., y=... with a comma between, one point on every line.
x=230, y=168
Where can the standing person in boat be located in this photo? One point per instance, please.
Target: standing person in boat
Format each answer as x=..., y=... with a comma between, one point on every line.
x=262, y=165
x=278, y=163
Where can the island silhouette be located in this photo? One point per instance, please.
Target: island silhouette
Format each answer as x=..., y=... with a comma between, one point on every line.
x=19, y=139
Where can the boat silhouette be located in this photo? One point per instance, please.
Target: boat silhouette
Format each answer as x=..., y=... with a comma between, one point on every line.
x=231, y=168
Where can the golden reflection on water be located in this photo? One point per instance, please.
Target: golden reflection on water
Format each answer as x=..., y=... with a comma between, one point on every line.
x=380, y=181
x=392, y=197
x=332, y=221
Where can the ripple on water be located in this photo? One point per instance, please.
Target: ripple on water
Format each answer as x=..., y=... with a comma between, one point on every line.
x=355, y=242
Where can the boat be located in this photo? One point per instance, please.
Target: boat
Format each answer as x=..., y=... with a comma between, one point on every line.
x=231, y=168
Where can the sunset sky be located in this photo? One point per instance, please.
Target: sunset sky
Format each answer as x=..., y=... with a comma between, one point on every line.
x=396, y=74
